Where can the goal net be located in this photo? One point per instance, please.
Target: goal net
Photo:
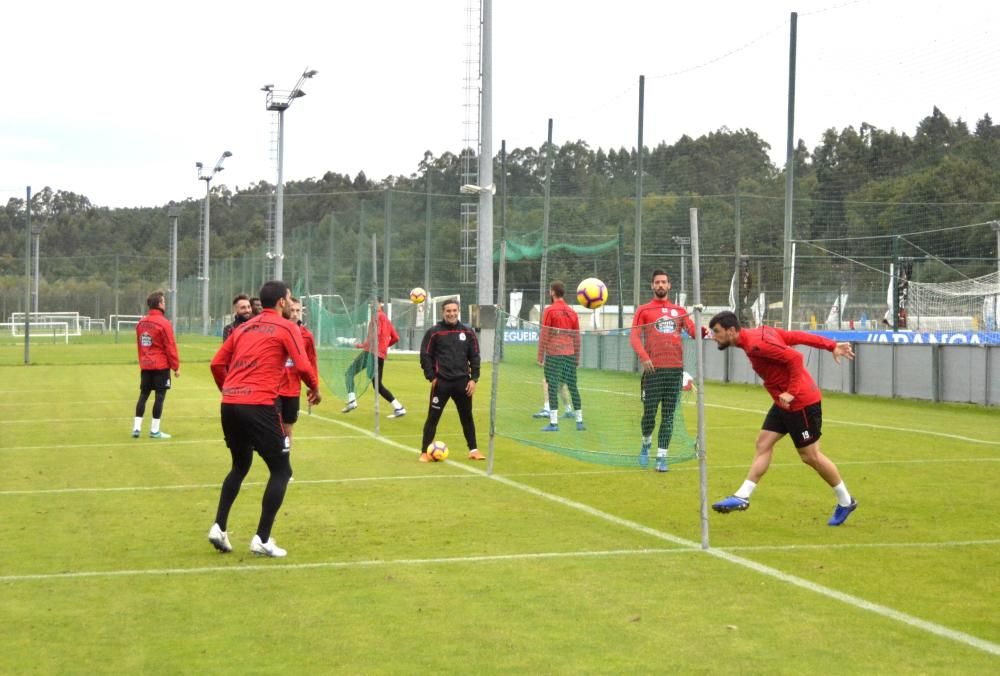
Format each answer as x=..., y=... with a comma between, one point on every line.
x=338, y=331
x=604, y=407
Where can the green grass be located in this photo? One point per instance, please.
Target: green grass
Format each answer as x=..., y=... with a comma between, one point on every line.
x=549, y=566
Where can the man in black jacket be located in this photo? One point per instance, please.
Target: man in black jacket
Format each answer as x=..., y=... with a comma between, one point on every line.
x=449, y=356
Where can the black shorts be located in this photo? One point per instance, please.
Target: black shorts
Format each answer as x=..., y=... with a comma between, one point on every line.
x=154, y=380
x=288, y=407
x=804, y=426
x=254, y=427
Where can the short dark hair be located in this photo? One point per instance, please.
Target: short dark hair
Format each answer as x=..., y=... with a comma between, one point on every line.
x=657, y=272
x=727, y=319
x=272, y=292
x=450, y=301
x=558, y=288
x=240, y=296
x=153, y=299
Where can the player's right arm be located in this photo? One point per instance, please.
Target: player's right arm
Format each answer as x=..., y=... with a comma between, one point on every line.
x=426, y=358
x=295, y=348
x=635, y=339
x=220, y=362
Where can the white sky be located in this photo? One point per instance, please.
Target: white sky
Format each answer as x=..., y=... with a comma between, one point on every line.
x=117, y=100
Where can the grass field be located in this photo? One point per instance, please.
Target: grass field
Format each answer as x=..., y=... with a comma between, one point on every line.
x=550, y=565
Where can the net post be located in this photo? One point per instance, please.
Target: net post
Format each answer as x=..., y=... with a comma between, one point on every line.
x=373, y=332
x=700, y=376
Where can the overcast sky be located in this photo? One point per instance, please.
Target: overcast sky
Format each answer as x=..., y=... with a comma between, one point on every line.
x=118, y=100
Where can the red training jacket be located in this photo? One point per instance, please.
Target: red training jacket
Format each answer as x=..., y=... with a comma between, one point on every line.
x=781, y=366
x=560, y=331
x=656, y=333
x=387, y=336
x=154, y=337
x=291, y=384
x=249, y=366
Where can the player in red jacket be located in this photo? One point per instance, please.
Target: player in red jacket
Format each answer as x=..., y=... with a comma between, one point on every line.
x=290, y=390
x=559, y=353
x=656, y=339
x=154, y=338
x=797, y=406
x=248, y=369
x=387, y=337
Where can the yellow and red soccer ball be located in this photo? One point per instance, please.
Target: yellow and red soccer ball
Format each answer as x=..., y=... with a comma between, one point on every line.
x=417, y=295
x=592, y=293
x=437, y=451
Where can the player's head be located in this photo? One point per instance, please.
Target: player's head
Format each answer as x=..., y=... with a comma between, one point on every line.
x=241, y=307
x=274, y=294
x=725, y=328
x=557, y=289
x=256, y=306
x=295, y=310
x=660, y=283
x=450, y=311
x=156, y=300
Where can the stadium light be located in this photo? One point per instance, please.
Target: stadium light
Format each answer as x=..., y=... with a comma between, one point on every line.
x=279, y=101
x=207, y=178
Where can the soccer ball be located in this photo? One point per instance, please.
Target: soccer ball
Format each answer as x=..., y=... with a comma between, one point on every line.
x=417, y=295
x=438, y=451
x=592, y=293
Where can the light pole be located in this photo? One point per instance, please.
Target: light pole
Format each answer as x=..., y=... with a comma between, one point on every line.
x=207, y=178
x=36, y=233
x=173, y=212
x=280, y=100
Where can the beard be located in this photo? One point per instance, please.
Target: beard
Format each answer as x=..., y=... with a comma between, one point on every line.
x=660, y=293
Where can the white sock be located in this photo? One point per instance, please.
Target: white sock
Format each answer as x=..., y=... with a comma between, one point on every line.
x=579, y=414
x=647, y=440
x=396, y=404
x=661, y=453
x=156, y=426
x=843, y=496
x=137, y=425
x=351, y=397
x=745, y=490
x=554, y=416
x=545, y=406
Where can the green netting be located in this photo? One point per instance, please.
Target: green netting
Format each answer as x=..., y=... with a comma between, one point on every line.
x=342, y=366
x=610, y=390
x=525, y=250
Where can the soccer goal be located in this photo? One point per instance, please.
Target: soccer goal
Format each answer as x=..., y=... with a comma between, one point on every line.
x=49, y=324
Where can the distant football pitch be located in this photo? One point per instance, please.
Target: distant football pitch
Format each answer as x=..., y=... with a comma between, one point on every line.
x=550, y=565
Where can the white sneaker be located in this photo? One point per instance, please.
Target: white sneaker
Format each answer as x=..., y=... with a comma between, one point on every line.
x=269, y=548
x=351, y=405
x=399, y=412
x=159, y=435
x=219, y=538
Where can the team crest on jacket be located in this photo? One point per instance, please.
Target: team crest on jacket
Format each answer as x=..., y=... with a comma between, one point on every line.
x=664, y=325
x=146, y=340
x=461, y=336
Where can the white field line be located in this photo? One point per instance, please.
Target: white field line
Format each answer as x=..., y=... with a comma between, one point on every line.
x=802, y=583
x=848, y=599
x=337, y=564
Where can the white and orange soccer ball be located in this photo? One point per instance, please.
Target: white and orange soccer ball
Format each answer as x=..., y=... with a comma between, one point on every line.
x=417, y=295
x=437, y=451
x=592, y=293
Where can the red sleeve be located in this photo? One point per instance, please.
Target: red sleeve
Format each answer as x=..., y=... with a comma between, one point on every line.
x=171, y=344
x=636, y=338
x=805, y=338
x=390, y=331
x=296, y=350
x=689, y=325
x=310, y=344
x=220, y=362
x=575, y=321
x=800, y=383
x=543, y=334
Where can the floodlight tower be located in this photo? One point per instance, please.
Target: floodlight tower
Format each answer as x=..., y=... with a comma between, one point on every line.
x=279, y=101
x=207, y=178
